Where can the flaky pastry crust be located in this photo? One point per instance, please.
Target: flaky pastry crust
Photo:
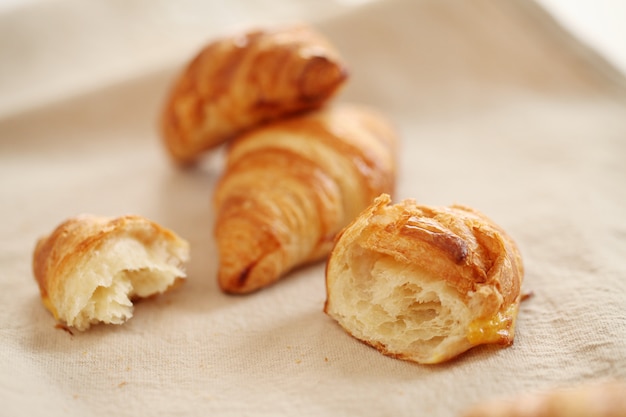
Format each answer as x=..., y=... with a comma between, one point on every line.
x=591, y=399
x=90, y=268
x=290, y=186
x=237, y=82
x=424, y=283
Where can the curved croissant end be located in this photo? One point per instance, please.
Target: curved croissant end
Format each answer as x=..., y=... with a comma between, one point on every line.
x=238, y=82
x=291, y=186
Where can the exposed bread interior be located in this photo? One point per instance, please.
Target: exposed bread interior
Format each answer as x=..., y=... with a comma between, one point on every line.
x=90, y=269
x=424, y=284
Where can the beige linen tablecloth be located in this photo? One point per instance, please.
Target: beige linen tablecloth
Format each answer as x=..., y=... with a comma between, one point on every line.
x=497, y=107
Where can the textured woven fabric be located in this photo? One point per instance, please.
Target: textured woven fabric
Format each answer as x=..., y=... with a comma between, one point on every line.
x=498, y=108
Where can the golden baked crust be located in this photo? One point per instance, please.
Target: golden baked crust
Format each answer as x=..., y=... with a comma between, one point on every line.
x=90, y=268
x=240, y=81
x=597, y=399
x=424, y=283
x=291, y=185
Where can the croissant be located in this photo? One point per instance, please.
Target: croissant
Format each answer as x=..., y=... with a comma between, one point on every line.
x=90, y=268
x=240, y=81
x=597, y=399
x=290, y=186
x=422, y=283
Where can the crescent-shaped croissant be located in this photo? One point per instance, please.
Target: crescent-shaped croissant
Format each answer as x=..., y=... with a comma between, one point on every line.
x=240, y=81
x=289, y=187
x=91, y=268
x=424, y=283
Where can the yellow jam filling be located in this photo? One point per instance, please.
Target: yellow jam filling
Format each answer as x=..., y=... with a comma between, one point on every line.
x=498, y=328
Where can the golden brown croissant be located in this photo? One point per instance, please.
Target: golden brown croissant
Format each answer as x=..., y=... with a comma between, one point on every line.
x=599, y=399
x=90, y=268
x=237, y=82
x=424, y=283
x=290, y=186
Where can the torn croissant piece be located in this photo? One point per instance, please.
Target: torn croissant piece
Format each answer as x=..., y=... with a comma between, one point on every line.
x=238, y=82
x=424, y=284
x=594, y=399
x=292, y=185
x=91, y=268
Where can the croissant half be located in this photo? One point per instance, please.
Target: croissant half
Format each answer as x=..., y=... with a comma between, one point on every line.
x=90, y=268
x=424, y=283
x=292, y=185
x=239, y=81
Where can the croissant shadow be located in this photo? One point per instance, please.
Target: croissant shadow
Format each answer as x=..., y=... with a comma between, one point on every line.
x=311, y=336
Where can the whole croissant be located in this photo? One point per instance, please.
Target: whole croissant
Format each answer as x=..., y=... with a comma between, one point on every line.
x=239, y=81
x=292, y=185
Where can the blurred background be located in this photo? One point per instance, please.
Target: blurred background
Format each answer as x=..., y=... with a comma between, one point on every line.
x=50, y=49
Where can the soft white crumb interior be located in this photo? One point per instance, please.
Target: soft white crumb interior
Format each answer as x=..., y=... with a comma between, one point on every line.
x=102, y=287
x=383, y=301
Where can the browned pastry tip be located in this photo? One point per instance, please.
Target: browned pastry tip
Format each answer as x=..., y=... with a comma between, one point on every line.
x=424, y=283
x=90, y=268
x=291, y=185
x=591, y=399
x=240, y=81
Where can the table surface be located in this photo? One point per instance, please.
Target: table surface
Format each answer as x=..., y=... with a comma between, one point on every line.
x=497, y=107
